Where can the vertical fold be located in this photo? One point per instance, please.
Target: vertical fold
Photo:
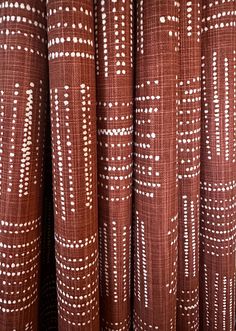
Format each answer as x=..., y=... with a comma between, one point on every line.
x=114, y=36
x=73, y=129
x=155, y=165
x=218, y=167
x=189, y=133
x=48, y=295
x=23, y=96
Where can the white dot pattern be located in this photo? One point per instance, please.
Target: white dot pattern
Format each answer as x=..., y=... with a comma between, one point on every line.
x=23, y=68
x=155, y=166
x=218, y=187
x=118, y=176
x=114, y=47
x=73, y=131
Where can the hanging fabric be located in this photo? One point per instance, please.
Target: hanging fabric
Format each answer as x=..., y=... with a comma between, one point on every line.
x=117, y=165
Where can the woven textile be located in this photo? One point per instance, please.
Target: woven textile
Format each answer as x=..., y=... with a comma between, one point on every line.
x=218, y=179
x=114, y=68
x=23, y=90
x=73, y=128
x=189, y=134
x=155, y=166
x=117, y=165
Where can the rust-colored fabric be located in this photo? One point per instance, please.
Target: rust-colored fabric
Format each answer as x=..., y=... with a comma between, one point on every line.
x=218, y=167
x=23, y=97
x=155, y=166
x=114, y=69
x=117, y=165
x=189, y=134
x=73, y=128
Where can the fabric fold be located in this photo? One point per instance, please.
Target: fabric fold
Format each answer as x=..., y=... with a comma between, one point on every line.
x=189, y=134
x=218, y=167
x=23, y=97
x=155, y=223
x=73, y=129
x=117, y=206
x=114, y=68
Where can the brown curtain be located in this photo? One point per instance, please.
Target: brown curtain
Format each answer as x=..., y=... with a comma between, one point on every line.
x=117, y=165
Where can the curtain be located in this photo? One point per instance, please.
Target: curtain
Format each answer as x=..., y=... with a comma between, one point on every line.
x=117, y=165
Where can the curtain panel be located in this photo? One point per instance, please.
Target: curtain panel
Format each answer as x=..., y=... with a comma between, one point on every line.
x=117, y=165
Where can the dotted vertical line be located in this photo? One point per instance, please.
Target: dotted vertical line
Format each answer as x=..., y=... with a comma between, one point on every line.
x=224, y=302
x=206, y=295
x=101, y=269
x=106, y=266
x=130, y=257
x=131, y=33
x=87, y=139
x=140, y=23
x=216, y=303
x=12, y=153
x=124, y=257
x=205, y=110
x=105, y=50
x=193, y=241
x=137, y=27
x=234, y=107
x=59, y=154
x=216, y=105
x=115, y=272
x=27, y=142
x=226, y=67
x=186, y=239
x=96, y=37
x=231, y=307
x=137, y=285
x=68, y=148
x=144, y=265
x=189, y=10
x=199, y=23
x=2, y=112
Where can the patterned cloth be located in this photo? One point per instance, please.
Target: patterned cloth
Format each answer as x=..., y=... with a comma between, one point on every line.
x=117, y=165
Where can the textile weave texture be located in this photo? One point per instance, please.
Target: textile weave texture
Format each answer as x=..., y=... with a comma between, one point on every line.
x=117, y=165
